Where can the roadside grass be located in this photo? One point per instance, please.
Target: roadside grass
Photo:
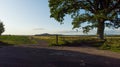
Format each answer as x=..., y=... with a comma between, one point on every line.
x=50, y=39
x=17, y=40
x=112, y=43
x=67, y=40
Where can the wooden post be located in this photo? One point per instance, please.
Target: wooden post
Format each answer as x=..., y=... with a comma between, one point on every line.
x=56, y=39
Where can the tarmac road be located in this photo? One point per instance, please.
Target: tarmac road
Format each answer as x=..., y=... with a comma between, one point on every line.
x=44, y=57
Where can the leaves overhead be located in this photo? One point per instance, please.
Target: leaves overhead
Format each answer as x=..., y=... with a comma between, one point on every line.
x=86, y=11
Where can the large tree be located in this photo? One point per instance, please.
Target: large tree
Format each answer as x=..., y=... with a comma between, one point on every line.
x=93, y=12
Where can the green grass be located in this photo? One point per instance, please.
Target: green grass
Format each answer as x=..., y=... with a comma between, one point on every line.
x=112, y=42
x=17, y=40
x=64, y=40
x=50, y=39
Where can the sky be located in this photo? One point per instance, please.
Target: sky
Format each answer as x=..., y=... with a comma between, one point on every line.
x=29, y=17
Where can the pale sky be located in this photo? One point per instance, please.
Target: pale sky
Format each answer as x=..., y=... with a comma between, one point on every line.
x=29, y=17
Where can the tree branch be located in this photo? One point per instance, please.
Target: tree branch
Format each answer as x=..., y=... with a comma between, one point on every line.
x=114, y=7
x=93, y=7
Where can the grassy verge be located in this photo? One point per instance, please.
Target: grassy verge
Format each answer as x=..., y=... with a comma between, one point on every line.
x=50, y=39
x=17, y=40
x=112, y=43
x=66, y=40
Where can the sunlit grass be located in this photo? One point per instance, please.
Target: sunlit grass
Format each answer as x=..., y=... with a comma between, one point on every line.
x=17, y=40
x=112, y=43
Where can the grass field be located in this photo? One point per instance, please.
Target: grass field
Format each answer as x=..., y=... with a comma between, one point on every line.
x=112, y=42
x=17, y=40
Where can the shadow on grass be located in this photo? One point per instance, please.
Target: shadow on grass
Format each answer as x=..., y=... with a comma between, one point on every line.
x=77, y=43
x=5, y=44
x=45, y=57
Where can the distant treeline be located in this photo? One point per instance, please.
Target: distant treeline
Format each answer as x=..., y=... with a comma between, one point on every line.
x=46, y=34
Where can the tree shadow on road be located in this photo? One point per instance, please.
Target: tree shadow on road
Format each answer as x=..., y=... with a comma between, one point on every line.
x=47, y=57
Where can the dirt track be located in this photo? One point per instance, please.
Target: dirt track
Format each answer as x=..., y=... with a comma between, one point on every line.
x=43, y=56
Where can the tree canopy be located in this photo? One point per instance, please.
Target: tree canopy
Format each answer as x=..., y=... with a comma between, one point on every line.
x=96, y=12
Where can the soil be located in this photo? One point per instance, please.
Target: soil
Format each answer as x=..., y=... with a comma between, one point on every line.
x=41, y=55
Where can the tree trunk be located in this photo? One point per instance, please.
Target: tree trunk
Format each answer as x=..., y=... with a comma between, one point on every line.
x=100, y=29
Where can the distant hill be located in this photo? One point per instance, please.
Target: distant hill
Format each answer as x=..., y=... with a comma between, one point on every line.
x=46, y=34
